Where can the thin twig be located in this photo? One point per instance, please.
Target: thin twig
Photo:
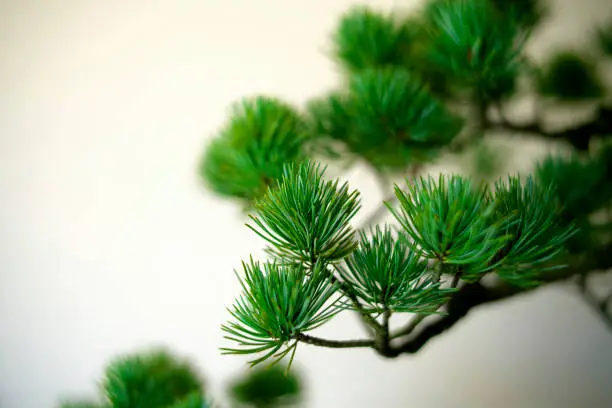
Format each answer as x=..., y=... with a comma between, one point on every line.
x=386, y=317
x=416, y=320
x=316, y=341
x=371, y=324
x=455, y=280
x=365, y=316
x=409, y=328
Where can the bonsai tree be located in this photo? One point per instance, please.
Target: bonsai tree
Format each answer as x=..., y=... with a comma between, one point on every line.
x=417, y=86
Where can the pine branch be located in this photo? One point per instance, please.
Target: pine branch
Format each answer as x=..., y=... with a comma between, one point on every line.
x=417, y=319
x=468, y=297
x=578, y=136
x=316, y=341
x=369, y=321
x=373, y=218
x=471, y=296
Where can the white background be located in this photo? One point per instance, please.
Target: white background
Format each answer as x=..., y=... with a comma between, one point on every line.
x=109, y=243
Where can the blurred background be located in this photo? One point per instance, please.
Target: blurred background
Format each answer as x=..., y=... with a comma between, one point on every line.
x=110, y=243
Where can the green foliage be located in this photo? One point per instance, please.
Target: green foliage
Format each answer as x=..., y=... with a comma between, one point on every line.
x=387, y=117
x=306, y=219
x=279, y=302
x=248, y=155
x=465, y=230
x=420, y=34
x=159, y=379
x=153, y=379
x=472, y=43
x=582, y=186
x=367, y=39
x=569, y=76
x=515, y=230
x=193, y=400
x=394, y=102
x=486, y=161
x=532, y=216
x=267, y=388
x=387, y=274
x=329, y=118
x=451, y=222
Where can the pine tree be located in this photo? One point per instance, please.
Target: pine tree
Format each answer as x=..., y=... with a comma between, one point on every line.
x=417, y=86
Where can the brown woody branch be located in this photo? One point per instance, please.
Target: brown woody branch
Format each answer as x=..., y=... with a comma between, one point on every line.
x=473, y=295
x=316, y=341
x=578, y=136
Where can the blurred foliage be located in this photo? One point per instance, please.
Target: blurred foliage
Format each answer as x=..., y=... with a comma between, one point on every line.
x=475, y=45
x=192, y=400
x=368, y=39
x=154, y=379
x=148, y=379
x=250, y=151
x=570, y=76
x=387, y=117
x=159, y=379
x=269, y=387
x=399, y=70
x=530, y=216
x=582, y=185
x=485, y=161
